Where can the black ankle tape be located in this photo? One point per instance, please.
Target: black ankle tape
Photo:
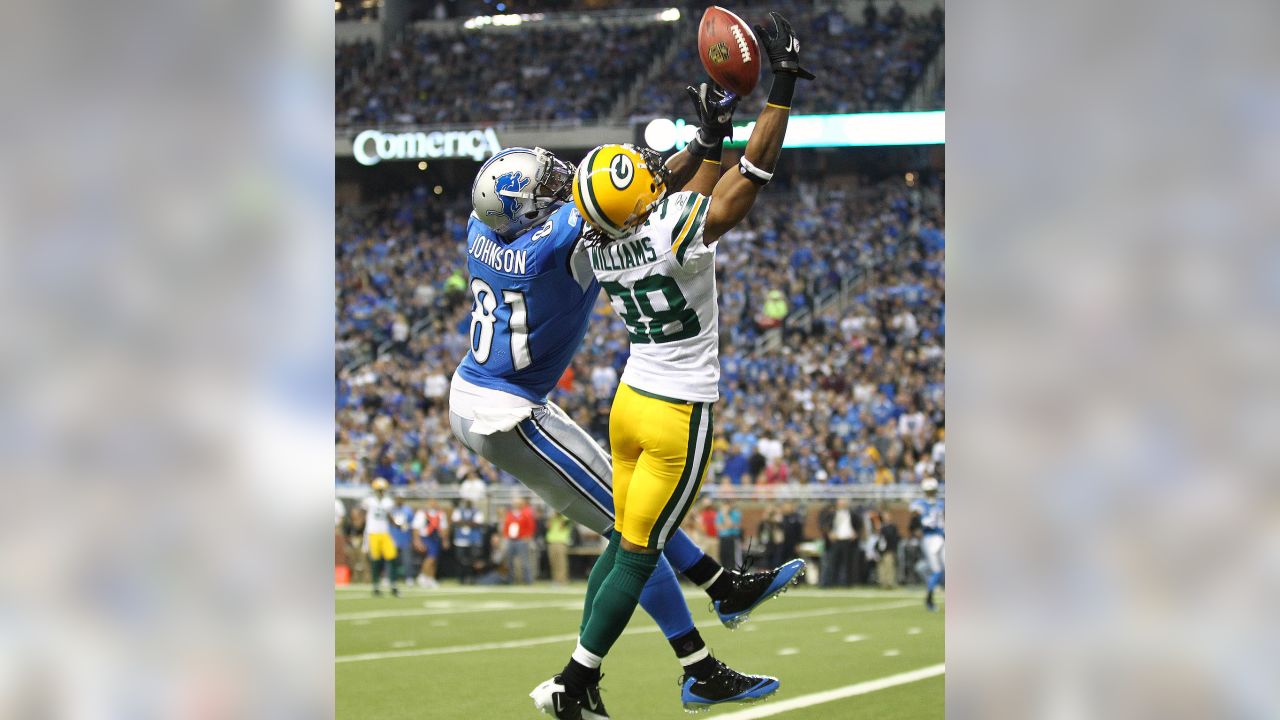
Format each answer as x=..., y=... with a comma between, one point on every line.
x=687, y=644
x=784, y=87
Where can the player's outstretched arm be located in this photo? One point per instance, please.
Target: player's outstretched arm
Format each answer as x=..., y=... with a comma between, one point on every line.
x=735, y=192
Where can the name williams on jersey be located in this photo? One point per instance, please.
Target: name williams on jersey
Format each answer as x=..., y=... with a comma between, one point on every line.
x=623, y=255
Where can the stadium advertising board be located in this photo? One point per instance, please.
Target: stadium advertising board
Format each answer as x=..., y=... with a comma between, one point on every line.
x=815, y=131
x=373, y=146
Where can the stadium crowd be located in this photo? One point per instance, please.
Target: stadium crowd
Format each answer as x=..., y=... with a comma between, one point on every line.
x=866, y=66
x=496, y=75
x=854, y=396
x=483, y=76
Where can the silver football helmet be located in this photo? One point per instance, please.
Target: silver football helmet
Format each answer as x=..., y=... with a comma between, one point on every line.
x=519, y=187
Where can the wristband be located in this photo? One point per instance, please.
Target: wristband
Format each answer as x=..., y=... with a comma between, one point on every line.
x=716, y=152
x=753, y=173
x=699, y=148
x=782, y=90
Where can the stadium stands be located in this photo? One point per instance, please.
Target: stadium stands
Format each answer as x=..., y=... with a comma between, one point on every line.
x=588, y=71
x=497, y=75
x=854, y=397
x=861, y=67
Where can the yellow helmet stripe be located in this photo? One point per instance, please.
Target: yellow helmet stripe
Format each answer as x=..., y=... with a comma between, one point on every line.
x=586, y=191
x=691, y=212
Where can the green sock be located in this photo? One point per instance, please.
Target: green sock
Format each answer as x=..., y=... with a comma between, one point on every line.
x=393, y=569
x=616, y=600
x=599, y=572
x=377, y=572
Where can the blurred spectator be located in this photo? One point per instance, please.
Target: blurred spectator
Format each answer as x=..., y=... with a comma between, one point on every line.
x=707, y=526
x=792, y=530
x=431, y=540
x=735, y=465
x=402, y=516
x=468, y=540
x=473, y=490
x=775, y=310
x=558, y=536
x=519, y=527
x=770, y=533
x=887, y=568
x=729, y=530
x=839, y=525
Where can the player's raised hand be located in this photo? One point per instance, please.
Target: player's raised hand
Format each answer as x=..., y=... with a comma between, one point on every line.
x=783, y=47
x=714, y=106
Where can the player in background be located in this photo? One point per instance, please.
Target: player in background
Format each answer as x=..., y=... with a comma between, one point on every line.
x=379, y=517
x=534, y=294
x=927, y=518
x=654, y=254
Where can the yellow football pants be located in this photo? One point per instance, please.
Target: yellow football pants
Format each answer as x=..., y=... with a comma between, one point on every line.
x=661, y=450
x=381, y=546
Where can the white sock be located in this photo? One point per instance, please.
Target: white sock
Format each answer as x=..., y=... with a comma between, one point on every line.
x=583, y=656
x=713, y=579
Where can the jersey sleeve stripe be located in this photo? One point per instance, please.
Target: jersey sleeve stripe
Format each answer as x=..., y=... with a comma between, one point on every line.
x=694, y=223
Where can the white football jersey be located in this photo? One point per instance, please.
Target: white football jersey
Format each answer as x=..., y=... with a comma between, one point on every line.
x=661, y=280
x=377, y=517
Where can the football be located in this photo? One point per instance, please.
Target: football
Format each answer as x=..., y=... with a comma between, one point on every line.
x=729, y=50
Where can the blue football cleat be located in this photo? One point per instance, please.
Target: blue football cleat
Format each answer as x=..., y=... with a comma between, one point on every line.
x=725, y=685
x=750, y=591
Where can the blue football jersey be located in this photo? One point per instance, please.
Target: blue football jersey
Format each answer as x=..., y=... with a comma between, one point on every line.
x=530, y=309
x=931, y=514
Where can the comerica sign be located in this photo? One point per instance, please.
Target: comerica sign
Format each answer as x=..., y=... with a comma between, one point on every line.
x=373, y=146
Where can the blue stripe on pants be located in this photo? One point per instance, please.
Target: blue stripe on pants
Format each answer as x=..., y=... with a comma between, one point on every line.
x=580, y=477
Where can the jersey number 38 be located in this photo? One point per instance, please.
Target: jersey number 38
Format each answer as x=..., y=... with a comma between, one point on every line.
x=647, y=323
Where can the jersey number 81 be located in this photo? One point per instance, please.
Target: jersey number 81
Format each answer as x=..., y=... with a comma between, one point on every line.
x=484, y=316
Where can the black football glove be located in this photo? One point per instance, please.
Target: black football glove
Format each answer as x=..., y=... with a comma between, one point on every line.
x=715, y=107
x=783, y=47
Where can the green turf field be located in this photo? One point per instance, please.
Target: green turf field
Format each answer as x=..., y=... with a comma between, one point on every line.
x=477, y=652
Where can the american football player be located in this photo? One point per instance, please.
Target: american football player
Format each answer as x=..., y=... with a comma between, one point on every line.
x=534, y=292
x=377, y=535
x=927, y=518
x=654, y=254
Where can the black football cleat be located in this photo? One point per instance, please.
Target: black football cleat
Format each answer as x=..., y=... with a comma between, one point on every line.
x=725, y=685
x=753, y=589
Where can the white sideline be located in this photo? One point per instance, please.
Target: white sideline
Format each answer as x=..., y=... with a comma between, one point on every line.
x=416, y=612
x=777, y=708
x=531, y=642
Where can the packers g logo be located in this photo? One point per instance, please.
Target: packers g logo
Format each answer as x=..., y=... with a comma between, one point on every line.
x=621, y=171
x=718, y=53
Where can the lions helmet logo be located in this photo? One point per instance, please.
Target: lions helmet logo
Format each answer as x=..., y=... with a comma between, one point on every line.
x=508, y=187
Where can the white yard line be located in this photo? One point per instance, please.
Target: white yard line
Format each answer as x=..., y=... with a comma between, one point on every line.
x=419, y=612
x=771, y=708
x=508, y=645
x=530, y=642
